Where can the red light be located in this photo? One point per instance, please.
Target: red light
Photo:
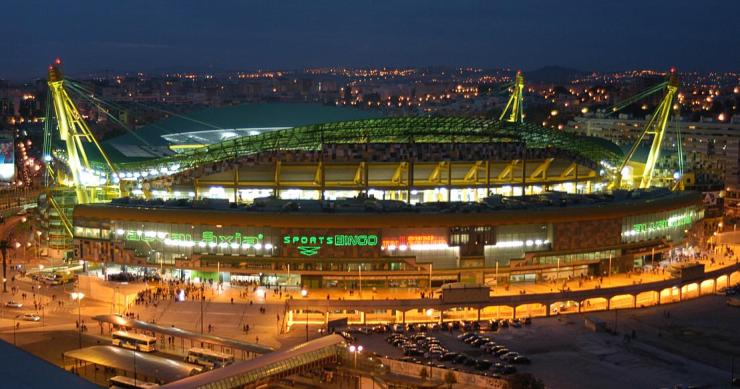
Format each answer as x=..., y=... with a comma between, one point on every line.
x=58, y=61
x=673, y=70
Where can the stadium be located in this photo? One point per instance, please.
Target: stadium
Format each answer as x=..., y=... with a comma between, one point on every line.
x=338, y=198
x=391, y=202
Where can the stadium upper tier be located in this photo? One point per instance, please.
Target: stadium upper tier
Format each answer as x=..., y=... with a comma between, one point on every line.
x=407, y=130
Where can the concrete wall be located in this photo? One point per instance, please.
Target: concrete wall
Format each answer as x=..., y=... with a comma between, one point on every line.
x=464, y=380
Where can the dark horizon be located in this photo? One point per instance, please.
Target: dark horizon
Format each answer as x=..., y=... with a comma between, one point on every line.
x=144, y=36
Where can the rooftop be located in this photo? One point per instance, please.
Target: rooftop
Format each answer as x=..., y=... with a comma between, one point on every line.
x=372, y=205
x=214, y=124
x=21, y=369
x=404, y=130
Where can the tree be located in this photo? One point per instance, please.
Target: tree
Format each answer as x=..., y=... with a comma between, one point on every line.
x=424, y=374
x=450, y=379
x=525, y=381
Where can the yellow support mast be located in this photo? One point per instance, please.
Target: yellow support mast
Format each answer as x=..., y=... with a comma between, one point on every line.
x=73, y=130
x=513, y=113
x=656, y=126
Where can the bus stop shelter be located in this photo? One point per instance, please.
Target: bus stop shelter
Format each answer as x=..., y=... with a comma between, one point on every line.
x=187, y=339
x=118, y=361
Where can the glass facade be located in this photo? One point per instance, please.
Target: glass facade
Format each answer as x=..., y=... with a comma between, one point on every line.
x=271, y=250
x=669, y=224
x=564, y=259
x=513, y=241
x=161, y=242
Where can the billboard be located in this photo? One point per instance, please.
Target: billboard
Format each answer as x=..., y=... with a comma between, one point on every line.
x=330, y=243
x=7, y=157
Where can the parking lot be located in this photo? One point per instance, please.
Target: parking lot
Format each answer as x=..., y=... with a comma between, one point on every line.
x=460, y=346
x=691, y=347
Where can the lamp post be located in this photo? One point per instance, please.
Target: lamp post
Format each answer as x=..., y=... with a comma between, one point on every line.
x=355, y=350
x=78, y=296
x=15, y=325
x=431, y=291
x=304, y=293
x=360, y=274
x=37, y=241
x=202, y=297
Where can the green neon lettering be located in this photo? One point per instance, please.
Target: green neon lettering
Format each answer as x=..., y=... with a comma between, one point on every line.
x=208, y=237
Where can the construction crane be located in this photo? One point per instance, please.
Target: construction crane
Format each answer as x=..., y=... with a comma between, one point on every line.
x=656, y=126
x=513, y=112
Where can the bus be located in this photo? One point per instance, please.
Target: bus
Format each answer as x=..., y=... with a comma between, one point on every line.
x=134, y=341
x=208, y=358
x=122, y=382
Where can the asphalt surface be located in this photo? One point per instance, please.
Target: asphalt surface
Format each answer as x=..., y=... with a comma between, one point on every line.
x=692, y=347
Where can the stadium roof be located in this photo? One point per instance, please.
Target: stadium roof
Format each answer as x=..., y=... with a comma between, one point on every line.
x=390, y=130
x=236, y=118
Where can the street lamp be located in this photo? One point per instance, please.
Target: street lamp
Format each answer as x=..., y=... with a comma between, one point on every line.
x=355, y=350
x=202, y=300
x=38, y=243
x=304, y=293
x=78, y=296
x=15, y=326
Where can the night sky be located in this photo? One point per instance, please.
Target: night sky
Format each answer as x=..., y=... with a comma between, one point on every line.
x=150, y=35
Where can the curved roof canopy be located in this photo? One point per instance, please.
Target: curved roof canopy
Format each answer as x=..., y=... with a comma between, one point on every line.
x=388, y=130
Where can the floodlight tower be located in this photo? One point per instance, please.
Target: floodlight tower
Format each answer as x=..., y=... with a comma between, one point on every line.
x=655, y=126
x=73, y=131
x=513, y=113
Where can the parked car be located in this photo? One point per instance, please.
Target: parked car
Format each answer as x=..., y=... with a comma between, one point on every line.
x=466, y=335
x=510, y=354
x=493, y=326
x=483, y=364
x=436, y=354
x=521, y=360
x=472, y=362
x=501, y=351
x=460, y=359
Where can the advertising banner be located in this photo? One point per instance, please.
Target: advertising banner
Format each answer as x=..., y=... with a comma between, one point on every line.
x=7, y=158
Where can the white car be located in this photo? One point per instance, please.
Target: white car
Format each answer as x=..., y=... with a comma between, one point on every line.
x=30, y=317
x=13, y=304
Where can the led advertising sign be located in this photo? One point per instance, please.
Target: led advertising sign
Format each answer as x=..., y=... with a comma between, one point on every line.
x=310, y=245
x=208, y=239
x=671, y=222
x=7, y=158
